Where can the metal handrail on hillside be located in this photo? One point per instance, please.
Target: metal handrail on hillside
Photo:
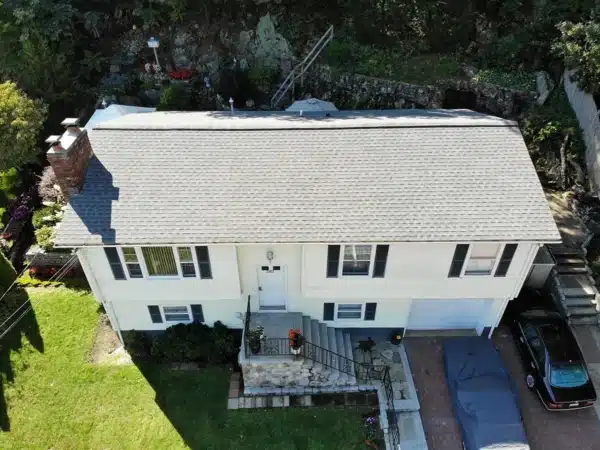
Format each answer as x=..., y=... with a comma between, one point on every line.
x=320, y=355
x=299, y=70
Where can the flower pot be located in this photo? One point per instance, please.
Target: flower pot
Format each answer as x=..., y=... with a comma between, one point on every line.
x=396, y=337
x=295, y=351
x=254, y=347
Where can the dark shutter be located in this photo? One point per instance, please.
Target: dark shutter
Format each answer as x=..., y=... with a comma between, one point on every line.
x=155, y=314
x=458, y=260
x=505, y=260
x=114, y=262
x=197, y=314
x=328, y=311
x=333, y=260
x=370, y=309
x=203, y=261
x=381, y=253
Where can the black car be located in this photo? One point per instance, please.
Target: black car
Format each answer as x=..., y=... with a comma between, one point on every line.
x=554, y=364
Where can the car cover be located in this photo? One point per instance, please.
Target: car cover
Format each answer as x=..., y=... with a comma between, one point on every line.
x=483, y=395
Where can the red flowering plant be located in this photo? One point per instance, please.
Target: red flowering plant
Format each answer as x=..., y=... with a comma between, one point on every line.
x=296, y=338
x=181, y=74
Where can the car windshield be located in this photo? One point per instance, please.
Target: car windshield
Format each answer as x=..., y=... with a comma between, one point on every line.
x=568, y=375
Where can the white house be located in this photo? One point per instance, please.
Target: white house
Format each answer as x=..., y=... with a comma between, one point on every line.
x=406, y=220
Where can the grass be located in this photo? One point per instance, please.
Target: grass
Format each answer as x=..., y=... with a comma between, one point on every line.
x=346, y=55
x=59, y=400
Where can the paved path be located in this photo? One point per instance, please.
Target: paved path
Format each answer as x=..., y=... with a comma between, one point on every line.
x=589, y=340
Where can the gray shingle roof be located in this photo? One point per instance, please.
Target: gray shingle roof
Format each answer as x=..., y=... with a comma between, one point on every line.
x=264, y=178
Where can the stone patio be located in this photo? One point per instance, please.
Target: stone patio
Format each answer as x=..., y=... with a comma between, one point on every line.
x=394, y=357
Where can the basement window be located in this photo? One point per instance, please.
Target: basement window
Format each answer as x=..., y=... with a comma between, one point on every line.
x=349, y=311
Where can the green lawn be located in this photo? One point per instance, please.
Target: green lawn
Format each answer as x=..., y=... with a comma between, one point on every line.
x=56, y=399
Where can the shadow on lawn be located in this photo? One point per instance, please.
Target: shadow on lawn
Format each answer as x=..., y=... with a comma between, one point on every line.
x=14, y=312
x=194, y=401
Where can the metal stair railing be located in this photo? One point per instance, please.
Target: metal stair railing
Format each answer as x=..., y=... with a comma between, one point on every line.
x=361, y=371
x=299, y=70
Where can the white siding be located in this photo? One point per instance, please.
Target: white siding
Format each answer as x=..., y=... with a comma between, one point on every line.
x=219, y=296
x=414, y=272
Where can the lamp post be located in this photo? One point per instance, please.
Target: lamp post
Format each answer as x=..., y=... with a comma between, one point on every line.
x=153, y=43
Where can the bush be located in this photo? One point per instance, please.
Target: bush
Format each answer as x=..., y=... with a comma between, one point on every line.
x=137, y=343
x=7, y=272
x=175, y=97
x=195, y=342
x=48, y=187
x=48, y=215
x=44, y=237
x=263, y=78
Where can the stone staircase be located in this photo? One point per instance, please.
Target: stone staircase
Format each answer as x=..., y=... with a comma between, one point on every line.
x=574, y=286
x=333, y=340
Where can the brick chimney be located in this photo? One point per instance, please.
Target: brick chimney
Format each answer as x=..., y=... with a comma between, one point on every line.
x=68, y=155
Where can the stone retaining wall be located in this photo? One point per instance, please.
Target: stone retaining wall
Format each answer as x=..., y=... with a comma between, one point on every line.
x=267, y=372
x=353, y=91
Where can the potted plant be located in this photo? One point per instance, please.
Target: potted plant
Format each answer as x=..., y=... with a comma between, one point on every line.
x=296, y=341
x=255, y=338
x=396, y=337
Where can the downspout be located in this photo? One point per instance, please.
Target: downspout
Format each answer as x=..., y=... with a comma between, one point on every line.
x=108, y=306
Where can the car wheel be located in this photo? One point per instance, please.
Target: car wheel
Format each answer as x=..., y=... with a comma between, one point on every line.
x=530, y=381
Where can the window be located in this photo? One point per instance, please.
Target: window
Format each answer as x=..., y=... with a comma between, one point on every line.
x=186, y=261
x=131, y=261
x=176, y=314
x=505, y=260
x=536, y=345
x=482, y=259
x=568, y=375
x=203, y=261
x=160, y=261
x=349, y=311
x=357, y=260
x=115, y=263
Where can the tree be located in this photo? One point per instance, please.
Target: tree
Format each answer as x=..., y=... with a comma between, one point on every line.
x=579, y=46
x=21, y=121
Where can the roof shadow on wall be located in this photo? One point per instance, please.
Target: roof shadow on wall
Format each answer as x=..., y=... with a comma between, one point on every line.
x=94, y=204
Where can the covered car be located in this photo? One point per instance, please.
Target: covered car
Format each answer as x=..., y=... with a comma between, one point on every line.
x=483, y=396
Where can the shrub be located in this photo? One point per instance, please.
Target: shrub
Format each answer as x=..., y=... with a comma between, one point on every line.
x=7, y=272
x=48, y=187
x=44, y=237
x=175, y=97
x=523, y=81
x=138, y=343
x=262, y=78
x=48, y=215
x=195, y=342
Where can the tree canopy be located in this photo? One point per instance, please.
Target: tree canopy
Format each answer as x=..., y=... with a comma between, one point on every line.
x=21, y=120
x=579, y=46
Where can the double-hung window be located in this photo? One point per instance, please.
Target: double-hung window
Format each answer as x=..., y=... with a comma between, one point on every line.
x=160, y=261
x=131, y=261
x=357, y=260
x=176, y=313
x=349, y=311
x=482, y=259
x=186, y=261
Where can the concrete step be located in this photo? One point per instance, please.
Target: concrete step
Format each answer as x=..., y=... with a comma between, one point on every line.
x=560, y=250
x=584, y=320
x=324, y=336
x=570, y=260
x=571, y=269
x=576, y=285
x=314, y=325
x=578, y=311
x=348, y=345
x=580, y=301
x=306, y=328
x=339, y=339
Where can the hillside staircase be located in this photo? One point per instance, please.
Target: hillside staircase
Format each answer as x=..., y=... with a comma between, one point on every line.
x=571, y=282
x=299, y=71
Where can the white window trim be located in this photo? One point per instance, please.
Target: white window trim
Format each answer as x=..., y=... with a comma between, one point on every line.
x=362, y=311
x=496, y=262
x=164, y=316
x=371, y=262
x=142, y=262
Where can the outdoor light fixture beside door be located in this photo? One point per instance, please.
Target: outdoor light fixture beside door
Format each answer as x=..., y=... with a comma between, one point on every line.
x=270, y=255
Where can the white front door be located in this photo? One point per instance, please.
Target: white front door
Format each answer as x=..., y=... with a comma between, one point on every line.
x=271, y=287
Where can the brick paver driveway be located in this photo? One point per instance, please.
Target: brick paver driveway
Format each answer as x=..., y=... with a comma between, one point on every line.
x=570, y=430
